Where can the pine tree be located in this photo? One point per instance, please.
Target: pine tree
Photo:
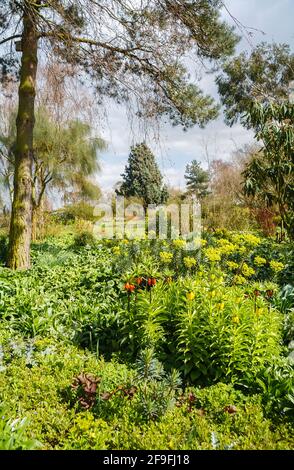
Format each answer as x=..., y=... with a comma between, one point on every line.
x=197, y=180
x=142, y=177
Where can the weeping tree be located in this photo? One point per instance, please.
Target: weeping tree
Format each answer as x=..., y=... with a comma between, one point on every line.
x=65, y=158
x=132, y=51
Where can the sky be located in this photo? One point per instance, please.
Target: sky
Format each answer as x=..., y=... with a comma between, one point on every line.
x=272, y=21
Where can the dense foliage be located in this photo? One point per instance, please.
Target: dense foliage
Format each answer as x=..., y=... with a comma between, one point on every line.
x=269, y=175
x=146, y=345
x=265, y=75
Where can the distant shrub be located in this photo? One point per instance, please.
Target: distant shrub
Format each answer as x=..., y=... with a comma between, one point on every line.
x=69, y=214
x=84, y=239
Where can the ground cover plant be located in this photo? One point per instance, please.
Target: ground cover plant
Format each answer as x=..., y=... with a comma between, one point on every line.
x=140, y=345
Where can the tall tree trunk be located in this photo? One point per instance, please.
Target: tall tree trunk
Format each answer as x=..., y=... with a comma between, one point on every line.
x=21, y=217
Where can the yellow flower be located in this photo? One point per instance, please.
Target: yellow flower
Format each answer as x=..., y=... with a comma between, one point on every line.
x=166, y=257
x=241, y=250
x=190, y=296
x=125, y=241
x=213, y=254
x=221, y=306
x=116, y=250
x=227, y=248
x=223, y=241
x=259, y=261
x=232, y=265
x=236, y=320
x=247, y=239
x=190, y=262
x=239, y=280
x=179, y=244
x=276, y=266
x=203, y=242
x=251, y=240
x=247, y=271
x=237, y=238
x=259, y=311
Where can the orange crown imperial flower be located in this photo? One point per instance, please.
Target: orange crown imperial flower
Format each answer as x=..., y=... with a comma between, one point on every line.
x=151, y=282
x=130, y=287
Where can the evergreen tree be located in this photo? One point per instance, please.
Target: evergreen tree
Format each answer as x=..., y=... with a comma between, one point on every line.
x=142, y=177
x=197, y=180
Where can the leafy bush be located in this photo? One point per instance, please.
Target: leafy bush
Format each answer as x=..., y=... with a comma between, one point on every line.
x=84, y=239
x=205, y=329
x=185, y=357
x=135, y=408
x=276, y=383
x=73, y=212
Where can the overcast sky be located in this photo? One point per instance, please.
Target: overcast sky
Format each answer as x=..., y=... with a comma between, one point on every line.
x=273, y=20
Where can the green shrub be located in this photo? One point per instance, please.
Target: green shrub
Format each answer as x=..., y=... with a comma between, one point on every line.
x=157, y=415
x=84, y=239
x=69, y=214
x=73, y=313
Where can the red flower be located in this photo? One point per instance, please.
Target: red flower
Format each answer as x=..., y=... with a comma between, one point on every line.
x=257, y=293
x=130, y=287
x=270, y=293
x=139, y=280
x=151, y=282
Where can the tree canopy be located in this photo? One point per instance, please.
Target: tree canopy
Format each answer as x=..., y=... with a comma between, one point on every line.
x=129, y=49
x=264, y=76
x=65, y=157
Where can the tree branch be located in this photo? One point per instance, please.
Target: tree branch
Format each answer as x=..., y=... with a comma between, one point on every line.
x=92, y=42
x=10, y=38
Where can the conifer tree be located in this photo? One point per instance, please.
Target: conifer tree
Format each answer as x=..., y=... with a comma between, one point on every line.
x=197, y=180
x=142, y=177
